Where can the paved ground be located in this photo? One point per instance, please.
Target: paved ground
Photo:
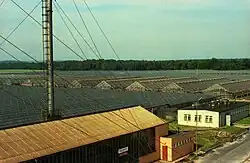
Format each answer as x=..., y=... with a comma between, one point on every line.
x=236, y=152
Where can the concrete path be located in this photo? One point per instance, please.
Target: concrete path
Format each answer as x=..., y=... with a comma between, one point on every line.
x=235, y=152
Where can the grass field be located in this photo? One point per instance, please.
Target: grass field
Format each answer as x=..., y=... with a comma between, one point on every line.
x=245, y=121
x=209, y=137
x=19, y=71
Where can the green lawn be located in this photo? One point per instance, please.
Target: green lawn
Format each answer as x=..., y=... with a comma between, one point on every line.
x=208, y=137
x=174, y=126
x=17, y=70
x=232, y=129
x=207, y=140
x=245, y=121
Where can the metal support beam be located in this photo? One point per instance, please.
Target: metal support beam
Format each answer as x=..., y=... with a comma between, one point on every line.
x=47, y=28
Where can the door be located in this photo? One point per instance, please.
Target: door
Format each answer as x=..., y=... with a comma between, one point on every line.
x=228, y=120
x=165, y=153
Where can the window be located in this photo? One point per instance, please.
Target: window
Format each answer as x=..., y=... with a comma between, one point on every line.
x=197, y=118
x=206, y=120
x=185, y=117
x=210, y=119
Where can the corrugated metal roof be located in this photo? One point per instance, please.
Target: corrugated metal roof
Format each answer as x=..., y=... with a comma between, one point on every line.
x=29, y=142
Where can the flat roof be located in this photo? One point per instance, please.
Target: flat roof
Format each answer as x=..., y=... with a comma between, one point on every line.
x=181, y=133
x=33, y=141
x=218, y=108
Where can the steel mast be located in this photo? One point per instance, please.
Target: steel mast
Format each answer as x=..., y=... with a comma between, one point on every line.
x=47, y=35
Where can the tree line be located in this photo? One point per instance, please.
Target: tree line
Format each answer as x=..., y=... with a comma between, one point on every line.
x=209, y=64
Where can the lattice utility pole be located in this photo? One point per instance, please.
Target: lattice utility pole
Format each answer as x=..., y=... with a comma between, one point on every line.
x=47, y=34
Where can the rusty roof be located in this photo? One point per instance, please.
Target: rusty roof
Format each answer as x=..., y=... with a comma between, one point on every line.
x=33, y=141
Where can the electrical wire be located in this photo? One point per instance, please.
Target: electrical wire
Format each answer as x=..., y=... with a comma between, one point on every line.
x=97, y=53
x=41, y=25
x=57, y=38
x=69, y=28
x=12, y=1
x=72, y=35
x=55, y=73
x=74, y=27
x=2, y=3
x=102, y=31
x=83, y=23
x=86, y=27
x=104, y=107
x=87, y=133
x=13, y=31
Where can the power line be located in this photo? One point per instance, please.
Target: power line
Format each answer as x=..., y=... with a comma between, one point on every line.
x=78, y=30
x=38, y=62
x=97, y=53
x=2, y=3
x=19, y=49
x=12, y=32
x=102, y=31
x=53, y=34
x=99, y=26
x=82, y=92
x=75, y=27
x=86, y=27
x=41, y=26
x=72, y=35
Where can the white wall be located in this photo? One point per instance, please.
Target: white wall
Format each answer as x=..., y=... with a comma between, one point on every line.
x=203, y=113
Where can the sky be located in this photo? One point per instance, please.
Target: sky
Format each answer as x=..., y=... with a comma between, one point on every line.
x=137, y=29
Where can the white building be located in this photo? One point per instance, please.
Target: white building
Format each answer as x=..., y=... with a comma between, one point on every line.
x=215, y=114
